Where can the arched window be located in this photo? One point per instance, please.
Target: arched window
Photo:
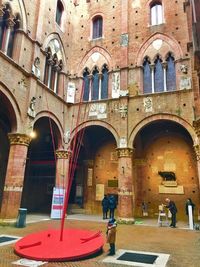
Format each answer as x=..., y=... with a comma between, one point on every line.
x=158, y=75
x=86, y=85
x=8, y=26
x=147, y=81
x=170, y=73
x=156, y=13
x=97, y=27
x=95, y=84
x=104, y=83
x=59, y=12
x=53, y=67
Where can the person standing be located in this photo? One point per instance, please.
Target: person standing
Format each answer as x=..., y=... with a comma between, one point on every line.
x=112, y=205
x=111, y=235
x=172, y=208
x=105, y=205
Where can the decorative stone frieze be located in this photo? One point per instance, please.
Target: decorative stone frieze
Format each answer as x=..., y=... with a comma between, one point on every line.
x=125, y=152
x=63, y=154
x=19, y=139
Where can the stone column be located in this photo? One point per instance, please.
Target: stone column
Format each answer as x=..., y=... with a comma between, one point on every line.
x=152, y=66
x=15, y=175
x=62, y=168
x=126, y=190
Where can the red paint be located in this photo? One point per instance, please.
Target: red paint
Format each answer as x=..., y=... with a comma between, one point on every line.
x=46, y=245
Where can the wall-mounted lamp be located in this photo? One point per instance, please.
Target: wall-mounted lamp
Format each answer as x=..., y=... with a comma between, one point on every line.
x=123, y=169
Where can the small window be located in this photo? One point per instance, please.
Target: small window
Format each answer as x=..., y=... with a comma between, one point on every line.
x=59, y=12
x=97, y=27
x=156, y=13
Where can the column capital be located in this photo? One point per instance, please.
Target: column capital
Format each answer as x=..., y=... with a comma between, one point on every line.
x=19, y=139
x=125, y=152
x=197, y=152
x=196, y=125
x=63, y=154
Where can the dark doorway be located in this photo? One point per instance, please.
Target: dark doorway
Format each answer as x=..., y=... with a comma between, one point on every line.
x=40, y=169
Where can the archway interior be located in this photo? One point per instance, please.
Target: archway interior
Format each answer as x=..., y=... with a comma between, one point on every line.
x=96, y=166
x=40, y=169
x=164, y=146
x=7, y=123
x=5, y=128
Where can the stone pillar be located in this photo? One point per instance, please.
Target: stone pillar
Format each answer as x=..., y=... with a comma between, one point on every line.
x=62, y=168
x=196, y=125
x=126, y=190
x=15, y=175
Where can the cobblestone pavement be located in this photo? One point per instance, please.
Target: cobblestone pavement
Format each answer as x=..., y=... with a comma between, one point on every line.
x=183, y=245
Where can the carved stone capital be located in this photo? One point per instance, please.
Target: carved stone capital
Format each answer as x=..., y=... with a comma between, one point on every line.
x=124, y=152
x=19, y=139
x=196, y=125
x=197, y=151
x=63, y=154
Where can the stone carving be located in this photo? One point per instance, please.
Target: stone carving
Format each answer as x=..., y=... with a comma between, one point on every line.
x=157, y=44
x=184, y=68
x=102, y=111
x=123, y=93
x=36, y=67
x=124, y=39
x=122, y=142
x=185, y=83
x=167, y=176
x=148, y=104
x=123, y=110
x=115, y=85
x=67, y=137
x=31, y=108
x=71, y=92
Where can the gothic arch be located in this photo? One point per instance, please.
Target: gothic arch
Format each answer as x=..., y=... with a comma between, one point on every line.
x=60, y=131
x=97, y=123
x=51, y=37
x=89, y=60
x=170, y=41
x=157, y=117
x=14, y=110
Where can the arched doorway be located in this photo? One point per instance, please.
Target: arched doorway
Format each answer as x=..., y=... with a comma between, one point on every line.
x=96, y=172
x=7, y=124
x=41, y=167
x=164, y=146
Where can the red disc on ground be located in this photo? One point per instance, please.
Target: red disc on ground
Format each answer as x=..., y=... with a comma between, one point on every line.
x=46, y=245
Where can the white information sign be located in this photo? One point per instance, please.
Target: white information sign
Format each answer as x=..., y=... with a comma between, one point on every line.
x=57, y=203
x=191, y=224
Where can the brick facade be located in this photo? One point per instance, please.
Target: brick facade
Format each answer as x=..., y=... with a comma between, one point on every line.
x=130, y=120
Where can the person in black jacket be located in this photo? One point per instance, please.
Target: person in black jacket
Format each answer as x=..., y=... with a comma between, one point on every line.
x=112, y=205
x=105, y=206
x=172, y=208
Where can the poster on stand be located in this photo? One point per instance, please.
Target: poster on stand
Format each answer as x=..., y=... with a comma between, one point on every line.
x=57, y=203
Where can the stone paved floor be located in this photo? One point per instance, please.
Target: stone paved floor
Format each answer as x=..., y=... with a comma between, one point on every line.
x=183, y=245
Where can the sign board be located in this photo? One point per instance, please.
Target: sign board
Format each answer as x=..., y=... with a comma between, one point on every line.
x=57, y=203
x=99, y=192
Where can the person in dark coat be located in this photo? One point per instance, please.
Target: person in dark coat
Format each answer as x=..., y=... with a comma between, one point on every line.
x=105, y=206
x=111, y=235
x=172, y=208
x=112, y=205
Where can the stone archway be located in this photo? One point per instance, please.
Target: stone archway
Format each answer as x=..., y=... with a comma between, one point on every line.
x=96, y=172
x=40, y=174
x=164, y=146
x=8, y=123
